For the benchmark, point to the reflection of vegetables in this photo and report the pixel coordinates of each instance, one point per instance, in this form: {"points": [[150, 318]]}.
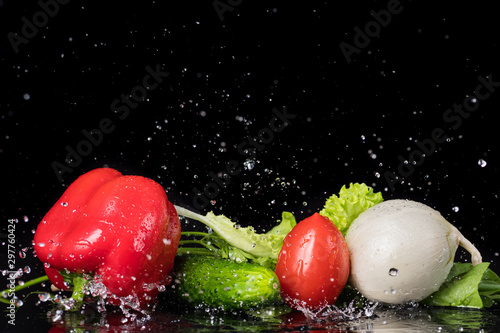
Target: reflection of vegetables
{"points": [[224, 284], [121, 228], [402, 251], [469, 286], [313, 265], [463, 320]]}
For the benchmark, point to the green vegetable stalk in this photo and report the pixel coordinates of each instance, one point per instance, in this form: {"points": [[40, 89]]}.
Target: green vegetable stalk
{"points": [[229, 240]]}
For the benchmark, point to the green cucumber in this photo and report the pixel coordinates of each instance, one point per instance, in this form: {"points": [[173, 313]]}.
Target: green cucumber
{"points": [[205, 281]]}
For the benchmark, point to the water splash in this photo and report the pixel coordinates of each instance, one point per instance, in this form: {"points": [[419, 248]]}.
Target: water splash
{"points": [[101, 304], [334, 313]]}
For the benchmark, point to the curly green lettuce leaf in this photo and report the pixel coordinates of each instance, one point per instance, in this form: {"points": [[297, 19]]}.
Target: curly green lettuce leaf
{"points": [[286, 225], [467, 286], [243, 243], [350, 202]]}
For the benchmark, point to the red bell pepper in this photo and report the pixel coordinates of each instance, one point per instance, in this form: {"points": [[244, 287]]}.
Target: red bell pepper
{"points": [[121, 228]]}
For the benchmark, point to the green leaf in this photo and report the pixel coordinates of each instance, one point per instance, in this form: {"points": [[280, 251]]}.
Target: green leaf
{"points": [[489, 288], [286, 225], [467, 286], [351, 202]]}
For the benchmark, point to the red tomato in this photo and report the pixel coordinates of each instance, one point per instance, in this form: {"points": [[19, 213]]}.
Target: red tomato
{"points": [[313, 265]]}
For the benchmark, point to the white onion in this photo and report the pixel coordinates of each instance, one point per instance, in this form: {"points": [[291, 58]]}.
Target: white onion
{"points": [[402, 251]]}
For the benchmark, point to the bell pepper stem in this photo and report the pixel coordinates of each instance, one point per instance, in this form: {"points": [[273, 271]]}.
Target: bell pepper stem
{"points": [[79, 283]]}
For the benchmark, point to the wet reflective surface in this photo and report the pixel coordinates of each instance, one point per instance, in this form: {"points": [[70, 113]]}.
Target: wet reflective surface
{"points": [[43, 318]]}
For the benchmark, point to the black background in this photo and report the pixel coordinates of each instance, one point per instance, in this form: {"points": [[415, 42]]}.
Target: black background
{"points": [[226, 76]]}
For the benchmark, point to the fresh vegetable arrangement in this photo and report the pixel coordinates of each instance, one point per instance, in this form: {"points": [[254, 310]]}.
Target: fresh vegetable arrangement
{"points": [[114, 238]]}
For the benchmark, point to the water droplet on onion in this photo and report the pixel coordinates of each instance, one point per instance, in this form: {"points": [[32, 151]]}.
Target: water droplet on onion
{"points": [[393, 272]]}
